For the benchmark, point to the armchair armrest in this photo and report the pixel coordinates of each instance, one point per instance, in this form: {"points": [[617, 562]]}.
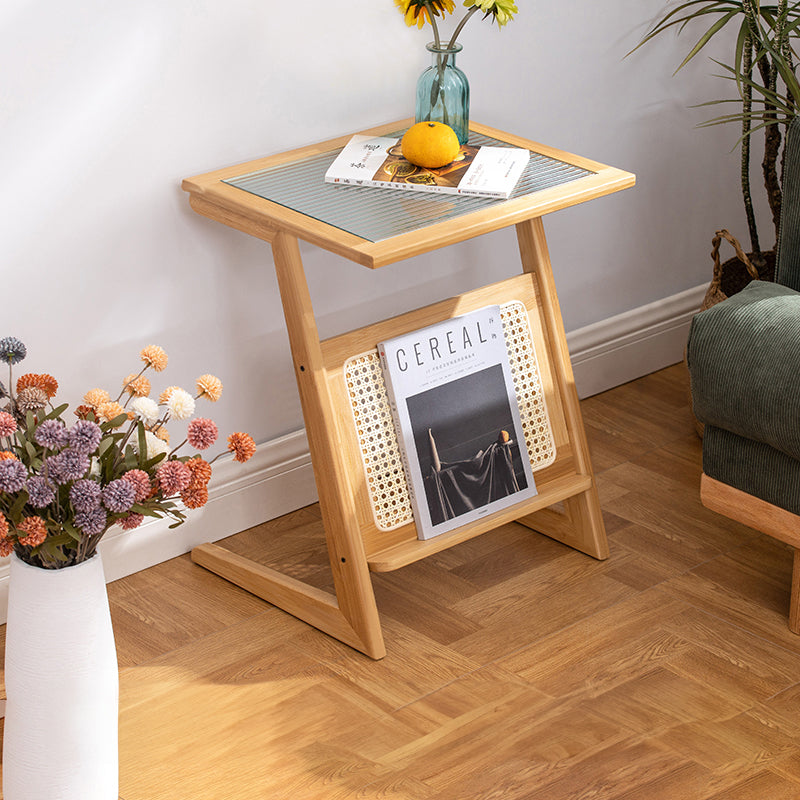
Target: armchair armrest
{"points": [[744, 365]]}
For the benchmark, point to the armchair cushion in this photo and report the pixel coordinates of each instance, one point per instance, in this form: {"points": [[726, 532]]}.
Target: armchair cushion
{"points": [[744, 365], [752, 467]]}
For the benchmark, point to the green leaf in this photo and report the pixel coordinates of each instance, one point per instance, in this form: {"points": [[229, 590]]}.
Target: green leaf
{"points": [[142, 442], [131, 458], [145, 511], [57, 540], [105, 443], [51, 548], [72, 532], [706, 38], [15, 512], [57, 411], [120, 419], [149, 464]]}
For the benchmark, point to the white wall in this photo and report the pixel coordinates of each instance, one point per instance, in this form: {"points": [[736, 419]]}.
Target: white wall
{"points": [[105, 107]]}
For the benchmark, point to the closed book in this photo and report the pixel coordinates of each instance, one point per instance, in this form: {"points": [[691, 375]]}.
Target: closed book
{"points": [[457, 420]]}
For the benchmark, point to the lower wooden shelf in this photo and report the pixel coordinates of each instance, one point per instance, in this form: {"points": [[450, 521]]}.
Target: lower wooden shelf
{"points": [[404, 553]]}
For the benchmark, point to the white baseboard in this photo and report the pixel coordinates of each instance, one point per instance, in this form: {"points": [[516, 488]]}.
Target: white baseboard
{"points": [[622, 348], [279, 479]]}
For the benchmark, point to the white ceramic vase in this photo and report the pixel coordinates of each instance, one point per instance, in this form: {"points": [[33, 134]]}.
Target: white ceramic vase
{"points": [[62, 685]]}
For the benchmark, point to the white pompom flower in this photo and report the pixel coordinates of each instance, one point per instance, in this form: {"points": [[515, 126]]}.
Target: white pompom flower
{"points": [[180, 404], [155, 446], [146, 408]]}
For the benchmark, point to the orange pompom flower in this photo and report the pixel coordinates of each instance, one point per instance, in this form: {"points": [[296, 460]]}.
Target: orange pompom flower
{"points": [[6, 544], [83, 411], [47, 383], [195, 496], [201, 471], [242, 446], [210, 387], [34, 529], [96, 397], [137, 386], [155, 357], [110, 410], [7, 455]]}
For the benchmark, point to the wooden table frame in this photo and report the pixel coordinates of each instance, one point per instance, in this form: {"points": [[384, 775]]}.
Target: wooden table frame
{"points": [[351, 615]]}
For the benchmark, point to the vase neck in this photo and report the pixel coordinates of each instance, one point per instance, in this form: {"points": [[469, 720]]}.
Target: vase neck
{"points": [[443, 53]]}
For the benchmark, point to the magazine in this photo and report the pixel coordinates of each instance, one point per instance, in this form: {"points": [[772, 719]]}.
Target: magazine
{"points": [[378, 161], [452, 395]]}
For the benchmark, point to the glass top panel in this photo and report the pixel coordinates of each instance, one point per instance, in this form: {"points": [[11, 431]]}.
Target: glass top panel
{"points": [[375, 214]]}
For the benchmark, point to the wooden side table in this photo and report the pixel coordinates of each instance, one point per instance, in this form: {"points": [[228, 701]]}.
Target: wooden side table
{"points": [[283, 198]]}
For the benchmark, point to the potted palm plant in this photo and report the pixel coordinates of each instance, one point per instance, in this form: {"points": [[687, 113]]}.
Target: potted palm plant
{"points": [[762, 71]]}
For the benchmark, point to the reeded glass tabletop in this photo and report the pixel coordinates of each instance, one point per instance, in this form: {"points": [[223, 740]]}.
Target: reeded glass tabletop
{"points": [[376, 214]]}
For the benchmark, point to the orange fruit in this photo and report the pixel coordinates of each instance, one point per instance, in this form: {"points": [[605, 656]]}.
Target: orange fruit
{"points": [[430, 144]]}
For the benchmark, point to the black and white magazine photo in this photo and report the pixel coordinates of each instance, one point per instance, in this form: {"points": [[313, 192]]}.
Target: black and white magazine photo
{"points": [[457, 420]]}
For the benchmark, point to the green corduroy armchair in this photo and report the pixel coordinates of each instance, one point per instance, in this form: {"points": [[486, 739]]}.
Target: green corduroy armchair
{"points": [[744, 366]]}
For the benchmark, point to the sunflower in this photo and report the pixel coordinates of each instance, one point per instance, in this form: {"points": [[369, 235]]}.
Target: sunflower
{"points": [[418, 12], [501, 10]]}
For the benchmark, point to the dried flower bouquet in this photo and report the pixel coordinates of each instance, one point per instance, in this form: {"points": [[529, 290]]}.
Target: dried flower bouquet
{"points": [[62, 487]]}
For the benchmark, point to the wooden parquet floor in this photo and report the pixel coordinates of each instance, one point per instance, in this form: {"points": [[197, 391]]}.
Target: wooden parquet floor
{"points": [[516, 667]]}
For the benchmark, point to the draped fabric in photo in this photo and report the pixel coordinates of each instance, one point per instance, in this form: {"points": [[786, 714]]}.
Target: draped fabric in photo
{"points": [[458, 487]]}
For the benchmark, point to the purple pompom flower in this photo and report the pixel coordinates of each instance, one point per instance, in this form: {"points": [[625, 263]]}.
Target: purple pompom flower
{"points": [[119, 496], [51, 434], [68, 465], [12, 350], [84, 436], [85, 495], [40, 491], [92, 522], [13, 475]]}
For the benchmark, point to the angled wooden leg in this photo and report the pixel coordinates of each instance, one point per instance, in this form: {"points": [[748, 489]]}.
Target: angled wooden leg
{"points": [[351, 616], [581, 523]]}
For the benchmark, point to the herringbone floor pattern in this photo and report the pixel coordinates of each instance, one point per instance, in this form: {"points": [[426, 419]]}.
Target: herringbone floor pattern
{"points": [[516, 667]]}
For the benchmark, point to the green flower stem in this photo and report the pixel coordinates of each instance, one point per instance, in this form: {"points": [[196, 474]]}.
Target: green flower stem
{"points": [[119, 396], [441, 63], [435, 27], [12, 402], [460, 27], [175, 449]]}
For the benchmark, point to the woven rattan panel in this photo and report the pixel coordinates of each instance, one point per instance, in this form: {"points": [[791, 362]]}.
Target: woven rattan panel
{"points": [[380, 452]]}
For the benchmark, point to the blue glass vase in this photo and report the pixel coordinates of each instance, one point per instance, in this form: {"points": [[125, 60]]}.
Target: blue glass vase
{"points": [[443, 92]]}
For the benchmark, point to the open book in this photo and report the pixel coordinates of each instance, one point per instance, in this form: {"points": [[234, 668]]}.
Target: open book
{"points": [[485, 171]]}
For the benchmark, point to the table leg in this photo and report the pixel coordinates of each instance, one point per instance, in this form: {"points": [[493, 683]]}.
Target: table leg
{"points": [[580, 525], [351, 615]]}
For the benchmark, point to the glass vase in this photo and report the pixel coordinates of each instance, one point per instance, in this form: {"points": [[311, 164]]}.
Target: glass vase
{"points": [[443, 92]]}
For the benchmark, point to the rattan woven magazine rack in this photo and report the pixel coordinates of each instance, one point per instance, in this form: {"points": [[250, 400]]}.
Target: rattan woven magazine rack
{"points": [[363, 498]]}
